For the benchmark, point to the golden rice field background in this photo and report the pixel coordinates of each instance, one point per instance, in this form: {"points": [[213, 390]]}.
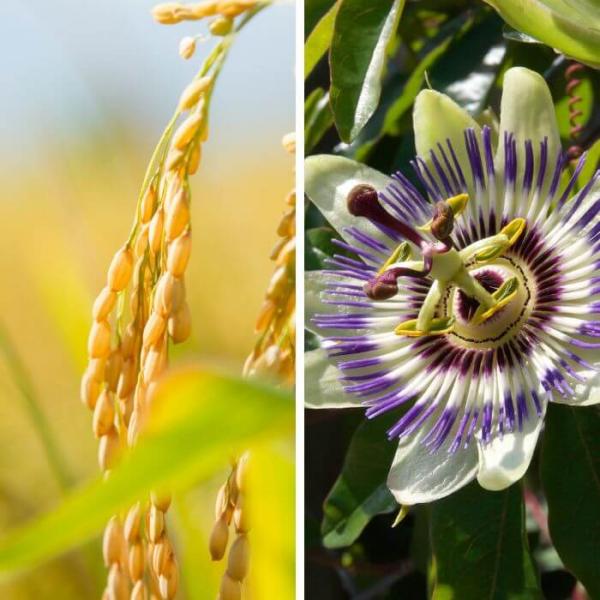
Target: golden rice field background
{"points": [[67, 198]]}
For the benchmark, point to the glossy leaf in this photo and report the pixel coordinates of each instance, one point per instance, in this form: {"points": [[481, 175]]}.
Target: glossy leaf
{"points": [[362, 34], [314, 11], [360, 492], [317, 118], [319, 247], [185, 441], [416, 80], [480, 547], [469, 68], [319, 40], [517, 36], [571, 27], [571, 479]]}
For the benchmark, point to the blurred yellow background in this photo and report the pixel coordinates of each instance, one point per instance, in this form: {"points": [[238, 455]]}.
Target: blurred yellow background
{"points": [[86, 91]]}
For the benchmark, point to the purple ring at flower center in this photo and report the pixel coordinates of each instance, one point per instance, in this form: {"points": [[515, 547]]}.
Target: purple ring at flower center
{"points": [[465, 305]]}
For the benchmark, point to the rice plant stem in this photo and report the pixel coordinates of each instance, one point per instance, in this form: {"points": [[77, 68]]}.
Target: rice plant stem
{"points": [[32, 406]]}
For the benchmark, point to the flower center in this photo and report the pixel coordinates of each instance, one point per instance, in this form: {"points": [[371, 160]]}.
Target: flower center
{"points": [[466, 306], [503, 324]]}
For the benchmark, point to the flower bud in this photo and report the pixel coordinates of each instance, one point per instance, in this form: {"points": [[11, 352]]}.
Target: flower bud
{"points": [[203, 9], [104, 414], [187, 130], [178, 254], [442, 222], [156, 524], [118, 588], [162, 501], [167, 13], [230, 589], [239, 558], [121, 267], [192, 93], [127, 379], [155, 327], [148, 204], [180, 324], [187, 47], [240, 515], [218, 539], [241, 473], [154, 364], [222, 501], [289, 142], [90, 390], [168, 581], [195, 157], [99, 340], [112, 542], [221, 26], [178, 215], [161, 554], [135, 561], [139, 591], [131, 528], [103, 304], [156, 229], [233, 8], [96, 369], [113, 370], [108, 450]]}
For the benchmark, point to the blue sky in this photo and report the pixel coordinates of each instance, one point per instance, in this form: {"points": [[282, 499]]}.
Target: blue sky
{"points": [[66, 64]]}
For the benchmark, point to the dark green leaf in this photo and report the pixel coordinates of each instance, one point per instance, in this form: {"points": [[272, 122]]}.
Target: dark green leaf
{"points": [[449, 34], [362, 33], [571, 479], [360, 492], [314, 11], [317, 118], [318, 247], [469, 69], [518, 36], [319, 40], [480, 547]]}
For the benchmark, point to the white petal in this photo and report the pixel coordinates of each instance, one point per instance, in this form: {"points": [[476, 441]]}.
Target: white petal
{"points": [[418, 476], [586, 394], [315, 284], [436, 118], [322, 387], [527, 111], [328, 181], [505, 460]]}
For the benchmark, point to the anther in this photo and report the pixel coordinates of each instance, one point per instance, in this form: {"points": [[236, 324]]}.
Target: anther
{"points": [[363, 201], [382, 287], [385, 286], [442, 222]]}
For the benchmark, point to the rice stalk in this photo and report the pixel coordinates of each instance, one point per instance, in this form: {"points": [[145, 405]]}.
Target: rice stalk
{"points": [[273, 357], [142, 309]]}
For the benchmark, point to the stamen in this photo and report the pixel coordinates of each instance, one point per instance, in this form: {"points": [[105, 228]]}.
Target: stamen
{"points": [[442, 223], [385, 286], [363, 201]]}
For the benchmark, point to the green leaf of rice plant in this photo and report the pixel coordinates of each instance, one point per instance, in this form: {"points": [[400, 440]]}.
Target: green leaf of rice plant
{"points": [[199, 420]]}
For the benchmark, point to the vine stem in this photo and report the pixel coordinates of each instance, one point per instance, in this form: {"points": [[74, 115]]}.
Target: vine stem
{"points": [[31, 404]]}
